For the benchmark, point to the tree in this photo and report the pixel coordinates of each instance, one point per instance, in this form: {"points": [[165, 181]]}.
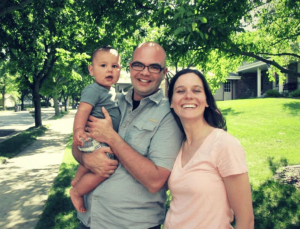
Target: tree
{"points": [[8, 83], [33, 34], [8, 6], [216, 27]]}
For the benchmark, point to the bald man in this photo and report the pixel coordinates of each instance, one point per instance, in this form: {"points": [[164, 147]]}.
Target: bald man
{"points": [[146, 146]]}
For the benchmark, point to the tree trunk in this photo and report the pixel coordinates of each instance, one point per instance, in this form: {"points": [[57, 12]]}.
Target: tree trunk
{"points": [[22, 101], [3, 98], [66, 102], [47, 99], [56, 107], [74, 103], [37, 105]]}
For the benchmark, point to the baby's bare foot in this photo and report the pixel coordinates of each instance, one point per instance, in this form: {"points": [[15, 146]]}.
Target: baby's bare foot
{"points": [[74, 182], [77, 200]]}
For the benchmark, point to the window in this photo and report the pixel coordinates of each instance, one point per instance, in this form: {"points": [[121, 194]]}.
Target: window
{"points": [[227, 87]]}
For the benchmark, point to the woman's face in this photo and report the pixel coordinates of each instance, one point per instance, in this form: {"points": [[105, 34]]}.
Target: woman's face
{"points": [[189, 99]]}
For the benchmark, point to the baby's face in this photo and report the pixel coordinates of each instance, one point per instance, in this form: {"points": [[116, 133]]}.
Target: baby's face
{"points": [[106, 67]]}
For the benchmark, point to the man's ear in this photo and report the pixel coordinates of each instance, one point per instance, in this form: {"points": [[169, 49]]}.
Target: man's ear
{"points": [[165, 71]]}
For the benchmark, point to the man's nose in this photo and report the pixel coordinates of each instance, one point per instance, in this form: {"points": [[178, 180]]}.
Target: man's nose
{"points": [[145, 71]]}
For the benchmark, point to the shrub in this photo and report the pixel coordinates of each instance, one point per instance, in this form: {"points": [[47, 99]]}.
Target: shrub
{"points": [[273, 93], [295, 93]]}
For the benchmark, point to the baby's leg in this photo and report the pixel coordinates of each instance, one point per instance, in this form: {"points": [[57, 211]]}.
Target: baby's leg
{"points": [[85, 185], [81, 171]]}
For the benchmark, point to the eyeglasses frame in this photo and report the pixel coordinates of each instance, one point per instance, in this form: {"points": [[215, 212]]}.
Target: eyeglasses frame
{"points": [[161, 68]]}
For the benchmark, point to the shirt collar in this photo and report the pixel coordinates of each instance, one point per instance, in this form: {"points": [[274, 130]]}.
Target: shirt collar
{"points": [[156, 97]]}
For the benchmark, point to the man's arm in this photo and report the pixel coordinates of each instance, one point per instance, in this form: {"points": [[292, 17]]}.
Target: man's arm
{"points": [[97, 161], [141, 168]]}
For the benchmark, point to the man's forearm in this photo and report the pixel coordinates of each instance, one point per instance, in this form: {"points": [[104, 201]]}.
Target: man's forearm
{"points": [[141, 168]]}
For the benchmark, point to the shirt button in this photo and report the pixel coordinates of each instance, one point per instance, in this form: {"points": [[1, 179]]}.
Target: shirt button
{"points": [[95, 198], [124, 125]]}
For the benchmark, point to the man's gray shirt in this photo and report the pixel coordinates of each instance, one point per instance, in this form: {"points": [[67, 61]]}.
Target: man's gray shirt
{"points": [[121, 201]]}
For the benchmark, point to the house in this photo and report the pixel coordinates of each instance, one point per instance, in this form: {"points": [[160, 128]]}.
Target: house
{"points": [[252, 80], [9, 101]]}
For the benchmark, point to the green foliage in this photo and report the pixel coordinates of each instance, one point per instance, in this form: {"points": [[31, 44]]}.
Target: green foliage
{"points": [[50, 40], [276, 205], [295, 93], [273, 93], [11, 147]]}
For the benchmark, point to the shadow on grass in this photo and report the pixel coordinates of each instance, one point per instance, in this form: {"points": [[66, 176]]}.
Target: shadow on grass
{"points": [[59, 212], [11, 147], [276, 205], [293, 107], [229, 111]]}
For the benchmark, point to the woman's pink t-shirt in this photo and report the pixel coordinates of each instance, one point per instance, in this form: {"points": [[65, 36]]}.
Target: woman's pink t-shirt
{"points": [[199, 198]]}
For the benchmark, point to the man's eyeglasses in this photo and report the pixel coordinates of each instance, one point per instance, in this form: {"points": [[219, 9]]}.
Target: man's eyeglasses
{"points": [[153, 68]]}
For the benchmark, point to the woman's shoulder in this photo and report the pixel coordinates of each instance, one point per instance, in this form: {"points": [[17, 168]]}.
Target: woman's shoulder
{"points": [[223, 138]]}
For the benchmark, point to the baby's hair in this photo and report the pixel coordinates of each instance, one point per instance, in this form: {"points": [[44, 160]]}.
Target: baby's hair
{"points": [[105, 48]]}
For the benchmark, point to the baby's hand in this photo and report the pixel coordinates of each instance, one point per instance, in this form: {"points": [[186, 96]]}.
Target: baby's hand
{"points": [[78, 136]]}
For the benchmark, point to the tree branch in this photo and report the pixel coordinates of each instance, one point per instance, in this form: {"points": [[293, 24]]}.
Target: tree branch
{"points": [[280, 54], [286, 38], [271, 62]]}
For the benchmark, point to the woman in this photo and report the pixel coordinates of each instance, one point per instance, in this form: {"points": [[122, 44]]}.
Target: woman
{"points": [[209, 181]]}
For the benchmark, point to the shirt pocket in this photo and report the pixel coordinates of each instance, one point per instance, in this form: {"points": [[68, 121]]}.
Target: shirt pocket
{"points": [[140, 136]]}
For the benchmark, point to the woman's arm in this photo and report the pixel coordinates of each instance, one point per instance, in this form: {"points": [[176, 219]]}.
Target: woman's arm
{"points": [[240, 199]]}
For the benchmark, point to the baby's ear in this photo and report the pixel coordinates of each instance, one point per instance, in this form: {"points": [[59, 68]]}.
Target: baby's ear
{"points": [[91, 70]]}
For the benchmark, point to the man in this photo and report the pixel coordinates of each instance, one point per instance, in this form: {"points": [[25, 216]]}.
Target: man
{"points": [[146, 147]]}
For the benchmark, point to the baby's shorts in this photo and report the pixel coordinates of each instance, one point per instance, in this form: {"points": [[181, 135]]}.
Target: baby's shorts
{"points": [[92, 145]]}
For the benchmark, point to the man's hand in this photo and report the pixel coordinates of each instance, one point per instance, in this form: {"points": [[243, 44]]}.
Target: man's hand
{"points": [[100, 129], [99, 163]]}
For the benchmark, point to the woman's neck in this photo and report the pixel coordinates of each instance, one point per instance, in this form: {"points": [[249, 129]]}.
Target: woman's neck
{"points": [[196, 131]]}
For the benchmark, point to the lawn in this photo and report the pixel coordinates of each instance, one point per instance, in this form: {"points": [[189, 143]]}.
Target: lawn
{"points": [[268, 129], [11, 147]]}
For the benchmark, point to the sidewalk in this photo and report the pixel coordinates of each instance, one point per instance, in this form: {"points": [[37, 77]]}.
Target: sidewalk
{"points": [[26, 179]]}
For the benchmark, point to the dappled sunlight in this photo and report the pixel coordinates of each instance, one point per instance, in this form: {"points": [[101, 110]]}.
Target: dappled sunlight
{"points": [[27, 178]]}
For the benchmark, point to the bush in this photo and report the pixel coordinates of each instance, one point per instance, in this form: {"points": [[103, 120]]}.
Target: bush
{"points": [[273, 93], [295, 93]]}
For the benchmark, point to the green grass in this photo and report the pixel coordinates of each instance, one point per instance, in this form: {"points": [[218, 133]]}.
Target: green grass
{"points": [[62, 114], [268, 129], [59, 212], [11, 147]]}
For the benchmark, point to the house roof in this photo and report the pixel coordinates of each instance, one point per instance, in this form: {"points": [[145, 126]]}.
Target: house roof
{"points": [[233, 76], [252, 67]]}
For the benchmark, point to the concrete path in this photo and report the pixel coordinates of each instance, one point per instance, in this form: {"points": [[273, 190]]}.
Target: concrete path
{"points": [[27, 178]]}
